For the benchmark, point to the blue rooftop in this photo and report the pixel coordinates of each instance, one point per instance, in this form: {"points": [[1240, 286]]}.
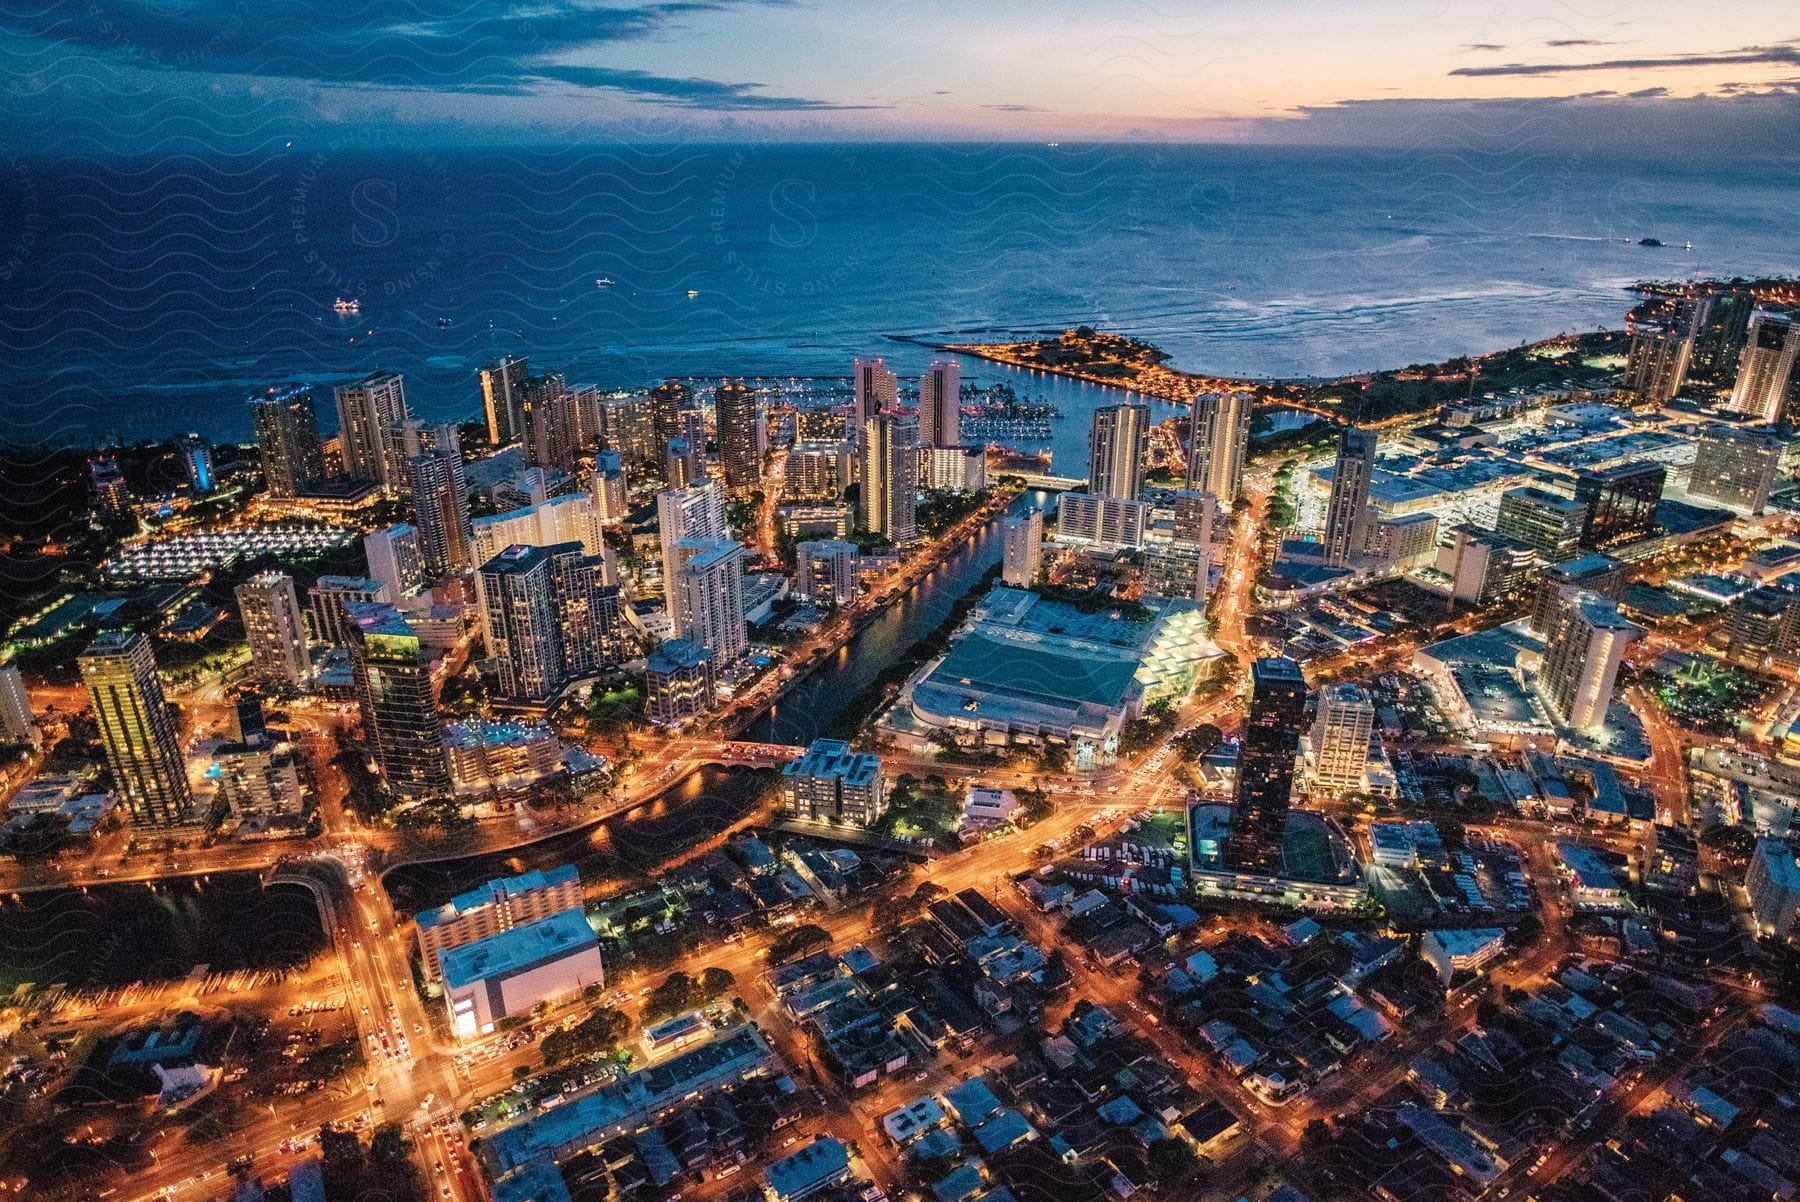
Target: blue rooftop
{"points": [[816, 1164], [498, 955], [494, 890]]}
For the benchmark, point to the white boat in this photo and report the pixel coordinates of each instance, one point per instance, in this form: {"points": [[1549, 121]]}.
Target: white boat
{"points": [[693, 292], [346, 308], [603, 282]]}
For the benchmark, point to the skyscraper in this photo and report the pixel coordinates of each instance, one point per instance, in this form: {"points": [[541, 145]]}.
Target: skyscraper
{"points": [[678, 681], [112, 495], [396, 559], [18, 725], [287, 439], [940, 404], [1548, 524], [548, 426], [876, 389], [1621, 503], [1196, 515], [197, 462], [670, 401], [546, 617], [697, 511], [710, 587], [1559, 582], [1736, 465], [1766, 365], [520, 623], [137, 729], [740, 451], [1341, 734], [1347, 512], [502, 397], [1022, 548], [270, 610], [401, 723], [1265, 767], [890, 469], [440, 507], [610, 487], [825, 570], [1657, 364], [368, 410], [1218, 443], [1119, 441], [1581, 659]]}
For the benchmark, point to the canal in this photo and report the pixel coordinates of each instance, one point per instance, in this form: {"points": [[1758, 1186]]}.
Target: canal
{"points": [[819, 706], [707, 801]]}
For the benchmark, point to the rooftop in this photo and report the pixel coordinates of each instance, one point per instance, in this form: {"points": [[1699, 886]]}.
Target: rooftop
{"points": [[496, 889], [511, 950]]}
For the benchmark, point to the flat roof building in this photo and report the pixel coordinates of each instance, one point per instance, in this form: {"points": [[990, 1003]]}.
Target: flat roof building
{"points": [[510, 972], [496, 906]]}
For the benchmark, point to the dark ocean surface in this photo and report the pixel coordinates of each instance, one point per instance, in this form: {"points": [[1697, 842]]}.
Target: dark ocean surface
{"points": [[145, 298]]}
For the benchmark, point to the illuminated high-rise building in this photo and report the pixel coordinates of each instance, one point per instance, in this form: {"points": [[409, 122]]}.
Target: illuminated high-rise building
{"points": [[396, 559], [1582, 657], [287, 440], [368, 411], [740, 435], [825, 571], [1621, 503], [137, 729], [890, 472], [503, 398], [546, 617], [709, 609], [401, 723], [1118, 443], [1736, 465], [548, 426], [670, 403], [197, 462], [1265, 766], [940, 404], [1218, 444], [1548, 524], [440, 508], [1022, 549], [695, 512], [1340, 735], [18, 725], [1347, 516], [1766, 365], [876, 389], [610, 487], [273, 627]]}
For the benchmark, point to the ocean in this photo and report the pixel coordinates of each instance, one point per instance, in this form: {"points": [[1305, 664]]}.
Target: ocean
{"points": [[145, 298]]}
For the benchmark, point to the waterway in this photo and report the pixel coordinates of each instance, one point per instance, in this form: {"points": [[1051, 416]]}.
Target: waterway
{"points": [[819, 706], [685, 815]]}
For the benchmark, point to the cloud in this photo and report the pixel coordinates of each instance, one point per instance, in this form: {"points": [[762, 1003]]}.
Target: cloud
{"points": [[1016, 108], [1483, 46], [491, 47], [1560, 43], [688, 93], [1786, 55]]}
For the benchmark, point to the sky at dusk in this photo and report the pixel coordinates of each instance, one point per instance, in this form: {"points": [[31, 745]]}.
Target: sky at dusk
{"points": [[104, 75]]}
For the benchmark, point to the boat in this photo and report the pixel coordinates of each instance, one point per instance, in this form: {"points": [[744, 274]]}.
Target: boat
{"points": [[693, 292], [1687, 246], [346, 308], [443, 323], [1649, 241], [603, 282]]}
